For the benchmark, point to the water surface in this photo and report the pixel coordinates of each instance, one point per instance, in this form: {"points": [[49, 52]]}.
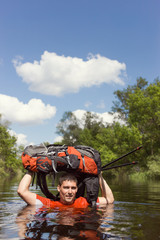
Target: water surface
{"points": [[135, 214]]}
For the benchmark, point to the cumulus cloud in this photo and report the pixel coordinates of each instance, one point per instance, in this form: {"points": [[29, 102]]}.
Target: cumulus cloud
{"points": [[21, 138], [58, 139], [57, 75], [34, 112], [106, 117]]}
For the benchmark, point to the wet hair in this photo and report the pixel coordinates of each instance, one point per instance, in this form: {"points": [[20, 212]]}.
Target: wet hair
{"points": [[67, 176]]}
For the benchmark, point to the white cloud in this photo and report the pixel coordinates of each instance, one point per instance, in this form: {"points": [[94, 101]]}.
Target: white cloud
{"points": [[106, 117], [34, 112], [79, 113], [109, 118], [57, 75], [58, 139], [21, 138]]}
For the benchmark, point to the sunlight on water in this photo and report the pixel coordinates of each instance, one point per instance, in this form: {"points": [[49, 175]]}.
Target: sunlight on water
{"points": [[134, 215]]}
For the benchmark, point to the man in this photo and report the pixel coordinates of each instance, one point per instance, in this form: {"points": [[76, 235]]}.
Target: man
{"points": [[67, 189]]}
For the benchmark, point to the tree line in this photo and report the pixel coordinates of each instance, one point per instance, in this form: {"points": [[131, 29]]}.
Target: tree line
{"points": [[9, 152], [138, 109]]}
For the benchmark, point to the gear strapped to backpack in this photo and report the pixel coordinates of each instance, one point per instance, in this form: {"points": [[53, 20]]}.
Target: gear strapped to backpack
{"points": [[83, 161]]}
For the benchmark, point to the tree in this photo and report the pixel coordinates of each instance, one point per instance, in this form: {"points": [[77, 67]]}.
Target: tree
{"points": [[82, 132], [121, 105], [69, 129], [8, 151], [116, 140], [91, 127], [140, 106]]}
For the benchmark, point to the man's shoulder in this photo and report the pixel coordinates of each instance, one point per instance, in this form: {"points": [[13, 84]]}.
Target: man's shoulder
{"points": [[81, 202], [81, 199], [44, 201]]}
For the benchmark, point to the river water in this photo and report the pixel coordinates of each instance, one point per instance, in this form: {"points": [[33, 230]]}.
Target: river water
{"points": [[135, 214]]}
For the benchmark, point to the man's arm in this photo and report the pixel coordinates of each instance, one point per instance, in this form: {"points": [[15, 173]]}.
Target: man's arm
{"points": [[23, 189], [106, 192]]}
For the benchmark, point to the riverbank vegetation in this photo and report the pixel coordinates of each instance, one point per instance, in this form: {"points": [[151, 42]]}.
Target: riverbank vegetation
{"points": [[9, 161], [138, 109]]}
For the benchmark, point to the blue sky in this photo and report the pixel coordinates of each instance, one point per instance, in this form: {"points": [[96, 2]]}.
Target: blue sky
{"points": [[59, 55]]}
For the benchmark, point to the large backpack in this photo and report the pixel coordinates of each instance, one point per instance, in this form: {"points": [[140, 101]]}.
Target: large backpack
{"points": [[83, 161]]}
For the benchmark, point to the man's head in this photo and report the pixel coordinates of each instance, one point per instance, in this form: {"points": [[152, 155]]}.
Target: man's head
{"points": [[67, 188]]}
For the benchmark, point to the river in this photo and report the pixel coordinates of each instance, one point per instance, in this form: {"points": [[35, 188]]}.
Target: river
{"points": [[135, 214]]}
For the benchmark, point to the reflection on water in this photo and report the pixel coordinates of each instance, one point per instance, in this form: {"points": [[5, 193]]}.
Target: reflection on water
{"points": [[134, 215], [63, 224]]}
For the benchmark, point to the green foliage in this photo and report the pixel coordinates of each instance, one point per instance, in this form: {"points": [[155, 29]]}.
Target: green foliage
{"points": [[153, 165], [2, 167], [121, 105], [69, 128], [139, 107], [139, 176], [111, 141], [9, 161], [74, 132], [117, 140], [107, 155]]}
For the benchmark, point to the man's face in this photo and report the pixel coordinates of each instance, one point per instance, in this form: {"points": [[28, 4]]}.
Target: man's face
{"points": [[67, 191]]}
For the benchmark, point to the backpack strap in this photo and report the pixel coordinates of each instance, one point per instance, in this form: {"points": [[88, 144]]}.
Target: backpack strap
{"points": [[81, 160], [41, 180], [92, 189]]}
